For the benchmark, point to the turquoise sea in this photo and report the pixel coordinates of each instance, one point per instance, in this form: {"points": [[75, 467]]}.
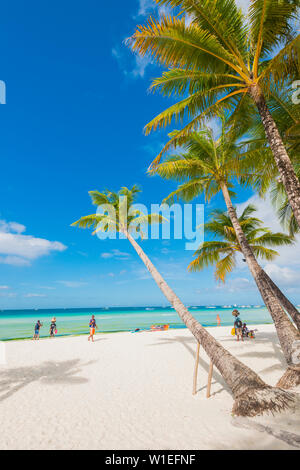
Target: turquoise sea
{"points": [[19, 324]]}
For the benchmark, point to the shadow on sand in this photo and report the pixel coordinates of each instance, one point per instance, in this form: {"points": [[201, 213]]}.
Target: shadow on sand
{"points": [[13, 380], [190, 345]]}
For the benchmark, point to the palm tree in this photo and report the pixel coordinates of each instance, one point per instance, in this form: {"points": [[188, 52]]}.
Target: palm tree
{"points": [[222, 60], [282, 205], [252, 396], [222, 252], [209, 166], [262, 170]]}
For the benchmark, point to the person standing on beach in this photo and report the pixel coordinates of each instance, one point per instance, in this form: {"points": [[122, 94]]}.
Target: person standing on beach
{"points": [[53, 327], [92, 326], [238, 325], [37, 328], [218, 320]]}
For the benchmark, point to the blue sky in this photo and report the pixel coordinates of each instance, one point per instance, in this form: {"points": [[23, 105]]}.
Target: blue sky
{"points": [[77, 103]]}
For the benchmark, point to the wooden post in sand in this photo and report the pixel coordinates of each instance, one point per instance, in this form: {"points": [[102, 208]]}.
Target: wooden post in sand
{"points": [[210, 372], [196, 369]]}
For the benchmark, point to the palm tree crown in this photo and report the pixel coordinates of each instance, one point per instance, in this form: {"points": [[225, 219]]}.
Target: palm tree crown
{"points": [[222, 252], [115, 212], [222, 61], [219, 57], [204, 165]]}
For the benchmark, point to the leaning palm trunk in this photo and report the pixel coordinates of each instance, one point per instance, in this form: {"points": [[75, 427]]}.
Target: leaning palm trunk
{"points": [[288, 336], [286, 304], [282, 160], [252, 395]]}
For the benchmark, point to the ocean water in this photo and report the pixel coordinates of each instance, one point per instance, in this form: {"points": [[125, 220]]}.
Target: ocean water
{"points": [[19, 324]]}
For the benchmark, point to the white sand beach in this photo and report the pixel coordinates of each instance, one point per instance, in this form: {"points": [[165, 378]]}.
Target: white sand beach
{"points": [[134, 391]]}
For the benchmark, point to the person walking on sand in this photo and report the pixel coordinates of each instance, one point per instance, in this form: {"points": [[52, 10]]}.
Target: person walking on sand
{"points": [[53, 327], [238, 325], [92, 326], [37, 328]]}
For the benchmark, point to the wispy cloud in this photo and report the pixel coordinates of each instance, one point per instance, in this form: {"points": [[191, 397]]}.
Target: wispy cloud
{"points": [[115, 254], [149, 7], [283, 275], [243, 4], [4, 287], [132, 65], [34, 295], [19, 250], [72, 284], [286, 267]]}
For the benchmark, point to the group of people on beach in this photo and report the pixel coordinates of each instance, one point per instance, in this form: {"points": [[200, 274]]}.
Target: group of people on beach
{"points": [[240, 329], [38, 326], [53, 328]]}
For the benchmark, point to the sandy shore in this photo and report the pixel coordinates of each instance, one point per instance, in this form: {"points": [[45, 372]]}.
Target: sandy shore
{"points": [[133, 391]]}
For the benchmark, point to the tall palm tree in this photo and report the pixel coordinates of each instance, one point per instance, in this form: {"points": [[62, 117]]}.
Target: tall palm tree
{"points": [[222, 252], [208, 166], [252, 396], [282, 205], [223, 60], [262, 171]]}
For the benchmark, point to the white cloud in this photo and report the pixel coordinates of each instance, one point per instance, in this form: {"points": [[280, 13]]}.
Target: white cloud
{"points": [[136, 70], [4, 287], [148, 7], [18, 249], [289, 255], [236, 285], [141, 63], [14, 261], [283, 275], [46, 287], [34, 295], [145, 7], [115, 254], [72, 284], [243, 4], [285, 270], [8, 294], [11, 227]]}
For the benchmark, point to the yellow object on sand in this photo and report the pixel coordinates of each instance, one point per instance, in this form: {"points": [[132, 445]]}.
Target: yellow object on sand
{"points": [[233, 331]]}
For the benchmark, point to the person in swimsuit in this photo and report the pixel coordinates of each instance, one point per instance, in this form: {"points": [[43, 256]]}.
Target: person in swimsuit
{"points": [[53, 327], [37, 328], [92, 326]]}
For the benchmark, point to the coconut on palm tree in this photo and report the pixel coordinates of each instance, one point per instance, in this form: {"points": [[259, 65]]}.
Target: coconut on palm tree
{"points": [[223, 252], [252, 396], [222, 60], [209, 166]]}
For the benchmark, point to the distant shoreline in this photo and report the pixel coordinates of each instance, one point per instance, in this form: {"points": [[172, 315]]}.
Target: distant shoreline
{"points": [[112, 308], [71, 335]]}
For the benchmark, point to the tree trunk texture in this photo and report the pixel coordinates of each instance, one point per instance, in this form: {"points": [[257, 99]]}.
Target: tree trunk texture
{"points": [[286, 304], [252, 395], [282, 160], [288, 336]]}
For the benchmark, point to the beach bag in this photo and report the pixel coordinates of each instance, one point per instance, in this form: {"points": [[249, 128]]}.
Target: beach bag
{"points": [[233, 331]]}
